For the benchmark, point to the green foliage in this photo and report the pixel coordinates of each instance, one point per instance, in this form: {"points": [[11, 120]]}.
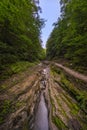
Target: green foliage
{"points": [[20, 29], [3, 88], [82, 99], [79, 95], [69, 37], [20, 66], [58, 122], [14, 69], [4, 110], [19, 104], [55, 70], [42, 56]]}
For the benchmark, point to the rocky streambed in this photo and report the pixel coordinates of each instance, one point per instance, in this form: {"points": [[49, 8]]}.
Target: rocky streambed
{"points": [[47, 99]]}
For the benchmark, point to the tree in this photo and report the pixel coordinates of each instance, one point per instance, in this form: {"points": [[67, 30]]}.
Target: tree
{"points": [[20, 28], [69, 41]]}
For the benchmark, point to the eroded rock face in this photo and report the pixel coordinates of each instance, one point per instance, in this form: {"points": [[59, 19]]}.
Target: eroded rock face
{"points": [[66, 112], [22, 100], [43, 101]]}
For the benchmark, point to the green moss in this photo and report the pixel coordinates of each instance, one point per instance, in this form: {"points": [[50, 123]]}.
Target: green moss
{"points": [[59, 123], [55, 70], [5, 108], [82, 99], [1, 120], [16, 68], [74, 108], [74, 112], [83, 123], [19, 104], [20, 66], [52, 102], [62, 109], [79, 95], [53, 106], [3, 88]]}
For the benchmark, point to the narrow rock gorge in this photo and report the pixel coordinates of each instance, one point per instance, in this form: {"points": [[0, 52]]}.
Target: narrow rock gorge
{"points": [[46, 97]]}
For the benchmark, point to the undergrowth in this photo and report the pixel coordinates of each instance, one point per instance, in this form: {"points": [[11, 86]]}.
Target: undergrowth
{"points": [[15, 68], [79, 95], [59, 123], [5, 108]]}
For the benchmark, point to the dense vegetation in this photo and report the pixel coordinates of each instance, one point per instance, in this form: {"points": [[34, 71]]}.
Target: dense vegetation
{"points": [[20, 28], [68, 39]]}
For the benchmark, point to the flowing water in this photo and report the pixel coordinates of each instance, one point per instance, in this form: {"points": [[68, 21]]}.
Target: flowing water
{"points": [[41, 118]]}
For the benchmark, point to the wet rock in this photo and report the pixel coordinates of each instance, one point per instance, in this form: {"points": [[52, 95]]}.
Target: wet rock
{"points": [[74, 124]]}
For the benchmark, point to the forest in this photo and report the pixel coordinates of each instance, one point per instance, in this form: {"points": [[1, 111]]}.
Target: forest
{"points": [[20, 29], [20, 35], [43, 89], [68, 40]]}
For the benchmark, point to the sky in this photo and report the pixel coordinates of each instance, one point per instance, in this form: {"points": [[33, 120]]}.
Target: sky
{"points": [[50, 12]]}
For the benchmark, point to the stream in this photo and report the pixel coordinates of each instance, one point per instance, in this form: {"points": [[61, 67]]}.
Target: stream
{"points": [[49, 97], [41, 118]]}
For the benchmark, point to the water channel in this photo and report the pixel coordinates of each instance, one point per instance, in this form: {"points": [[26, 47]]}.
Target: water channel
{"points": [[41, 118]]}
